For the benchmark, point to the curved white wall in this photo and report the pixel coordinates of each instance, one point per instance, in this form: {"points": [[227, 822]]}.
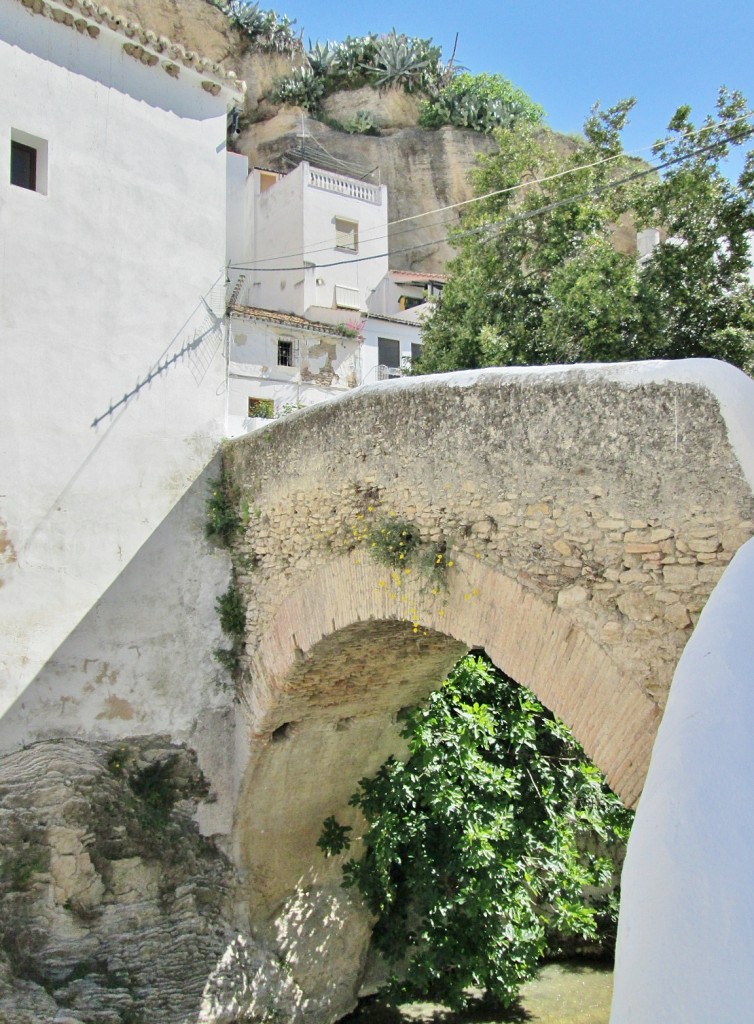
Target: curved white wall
{"points": [[686, 932]]}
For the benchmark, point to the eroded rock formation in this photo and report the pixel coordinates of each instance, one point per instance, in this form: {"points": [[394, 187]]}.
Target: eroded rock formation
{"points": [[112, 907]]}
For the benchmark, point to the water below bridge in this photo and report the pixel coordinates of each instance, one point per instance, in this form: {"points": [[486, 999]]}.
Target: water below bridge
{"points": [[574, 992]]}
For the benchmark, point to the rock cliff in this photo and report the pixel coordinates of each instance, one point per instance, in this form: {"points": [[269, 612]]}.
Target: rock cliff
{"points": [[423, 170]]}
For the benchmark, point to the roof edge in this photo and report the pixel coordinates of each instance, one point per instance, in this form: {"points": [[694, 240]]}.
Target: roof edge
{"points": [[142, 44]]}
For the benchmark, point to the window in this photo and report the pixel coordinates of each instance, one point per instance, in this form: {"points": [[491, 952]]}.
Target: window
{"points": [[23, 166], [409, 301], [416, 351], [261, 408], [28, 161], [388, 358], [346, 234], [286, 355]]}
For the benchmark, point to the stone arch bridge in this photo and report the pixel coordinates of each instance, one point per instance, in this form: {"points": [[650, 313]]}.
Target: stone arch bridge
{"points": [[587, 512]]}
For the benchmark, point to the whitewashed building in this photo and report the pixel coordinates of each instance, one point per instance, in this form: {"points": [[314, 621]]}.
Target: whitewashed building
{"points": [[314, 310], [112, 391]]}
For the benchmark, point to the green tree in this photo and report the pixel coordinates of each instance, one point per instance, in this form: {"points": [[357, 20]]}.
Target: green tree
{"points": [[538, 278], [474, 847]]}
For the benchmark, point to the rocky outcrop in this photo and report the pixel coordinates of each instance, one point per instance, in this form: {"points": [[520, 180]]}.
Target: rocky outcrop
{"points": [[113, 908], [423, 170]]}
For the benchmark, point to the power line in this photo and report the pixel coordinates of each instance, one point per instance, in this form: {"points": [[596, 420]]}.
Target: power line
{"points": [[326, 246], [498, 225]]}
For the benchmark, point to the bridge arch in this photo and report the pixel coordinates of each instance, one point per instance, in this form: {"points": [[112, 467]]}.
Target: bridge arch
{"points": [[588, 512]]}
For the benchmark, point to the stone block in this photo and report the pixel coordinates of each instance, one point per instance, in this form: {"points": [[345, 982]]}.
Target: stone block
{"points": [[572, 597], [638, 606], [678, 616]]}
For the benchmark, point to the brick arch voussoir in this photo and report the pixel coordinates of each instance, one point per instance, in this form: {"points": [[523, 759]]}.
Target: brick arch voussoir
{"points": [[535, 642]]}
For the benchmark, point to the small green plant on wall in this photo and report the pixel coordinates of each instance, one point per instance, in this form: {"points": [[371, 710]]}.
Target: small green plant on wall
{"points": [[223, 518], [397, 543], [393, 542], [232, 614]]}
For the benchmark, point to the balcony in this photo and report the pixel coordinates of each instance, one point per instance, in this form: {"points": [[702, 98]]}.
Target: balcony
{"points": [[329, 182]]}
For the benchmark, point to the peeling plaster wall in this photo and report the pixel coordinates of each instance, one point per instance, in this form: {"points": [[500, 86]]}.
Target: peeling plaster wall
{"points": [[111, 398]]}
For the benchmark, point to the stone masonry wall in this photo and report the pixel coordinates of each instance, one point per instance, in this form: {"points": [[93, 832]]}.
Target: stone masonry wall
{"points": [[583, 516], [620, 505]]}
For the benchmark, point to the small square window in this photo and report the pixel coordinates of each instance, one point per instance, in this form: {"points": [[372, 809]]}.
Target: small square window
{"points": [[389, 353], [23, 166], [285, 352], [346, 234], [28, 161], [261, 408]]}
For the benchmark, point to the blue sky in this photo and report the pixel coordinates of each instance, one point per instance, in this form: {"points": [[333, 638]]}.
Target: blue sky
{"points": [[568, 53]]}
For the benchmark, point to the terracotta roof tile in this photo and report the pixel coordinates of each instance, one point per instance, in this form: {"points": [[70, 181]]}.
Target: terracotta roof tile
{"points": [[404, 276], [140, 43], [284, 319]]}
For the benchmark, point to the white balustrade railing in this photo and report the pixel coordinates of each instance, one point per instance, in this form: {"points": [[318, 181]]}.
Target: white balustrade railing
{"points": [[345, 186]]}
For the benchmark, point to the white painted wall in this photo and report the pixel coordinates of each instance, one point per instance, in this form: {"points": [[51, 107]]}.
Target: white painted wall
{"points": [[238, 212], [253, 371], [141, 661], [686, 931], [294, 222], [111, 390]]}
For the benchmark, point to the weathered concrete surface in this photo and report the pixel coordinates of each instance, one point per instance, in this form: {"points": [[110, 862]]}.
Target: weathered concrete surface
{"points": [[686, 930], [588, 513]]}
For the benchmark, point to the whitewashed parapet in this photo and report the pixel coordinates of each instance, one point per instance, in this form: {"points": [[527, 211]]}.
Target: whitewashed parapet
{"points": [[345, 186]]}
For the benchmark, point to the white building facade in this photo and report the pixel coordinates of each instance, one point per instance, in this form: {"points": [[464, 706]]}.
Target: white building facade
{"points": [[113, 221], [314, 310]]}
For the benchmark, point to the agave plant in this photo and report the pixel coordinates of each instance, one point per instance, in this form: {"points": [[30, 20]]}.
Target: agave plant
{"points": [[266, 30], [323, 58], [403, 61]]}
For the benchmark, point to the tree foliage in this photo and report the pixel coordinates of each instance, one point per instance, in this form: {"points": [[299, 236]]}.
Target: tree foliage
{"points": [[475, 852], [538, 278]]}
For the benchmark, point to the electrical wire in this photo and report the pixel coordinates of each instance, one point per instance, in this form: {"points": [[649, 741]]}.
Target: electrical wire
{"points": [[326, 246], [498, 225]]}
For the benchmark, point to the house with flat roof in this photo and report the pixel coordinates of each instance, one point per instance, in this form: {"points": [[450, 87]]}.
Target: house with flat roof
{"points": [[314, 308]]}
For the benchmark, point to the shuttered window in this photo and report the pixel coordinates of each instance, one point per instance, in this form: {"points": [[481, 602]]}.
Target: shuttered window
{"points": [[346, 234]]}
